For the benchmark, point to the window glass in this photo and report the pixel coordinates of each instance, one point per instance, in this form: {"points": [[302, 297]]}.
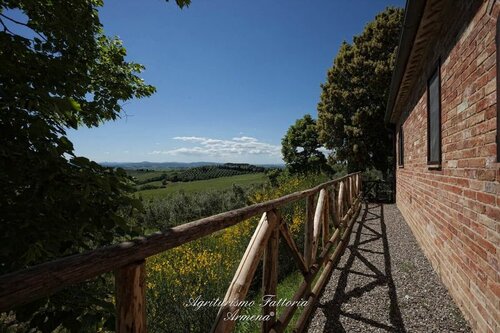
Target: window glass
{"points": [[434, 119], [401, 147]]}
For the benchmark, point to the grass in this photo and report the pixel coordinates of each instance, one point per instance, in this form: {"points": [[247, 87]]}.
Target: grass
{"points": [[204, 185], [285, 290], [145, 175], [155, 183]]}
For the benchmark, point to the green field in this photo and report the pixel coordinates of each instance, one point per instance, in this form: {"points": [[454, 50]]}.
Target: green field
{"points": [[204, 185], [145, 175], [149, 177]]}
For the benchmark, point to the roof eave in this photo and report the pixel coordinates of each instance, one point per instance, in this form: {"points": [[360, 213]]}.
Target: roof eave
{"points": [[414, 11]]}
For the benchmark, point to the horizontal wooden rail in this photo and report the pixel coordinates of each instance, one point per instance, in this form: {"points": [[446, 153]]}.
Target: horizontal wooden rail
{"points": [[27, 285]]}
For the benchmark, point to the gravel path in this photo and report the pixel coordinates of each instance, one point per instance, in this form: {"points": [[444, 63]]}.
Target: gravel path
{"points": [[384, 283]]}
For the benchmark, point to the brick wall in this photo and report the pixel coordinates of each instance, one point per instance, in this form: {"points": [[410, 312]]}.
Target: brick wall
{"points": [[454, 212]]}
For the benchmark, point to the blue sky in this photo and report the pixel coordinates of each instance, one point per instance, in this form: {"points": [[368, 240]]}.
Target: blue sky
{"points": [[231, 76]]}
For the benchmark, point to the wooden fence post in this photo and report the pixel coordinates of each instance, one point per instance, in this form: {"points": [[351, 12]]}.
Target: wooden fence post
{"points": [[358, 184], [326, 220], [318, 221], [270, 278], [350, 191], [340, 204], [309, 229], [130, 285], [332, 206], [334, 212], [240, 284]]}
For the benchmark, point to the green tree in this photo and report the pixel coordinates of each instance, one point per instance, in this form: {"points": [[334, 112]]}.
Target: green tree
{"points": [[59, 71], [300, 147], [353, 99]]}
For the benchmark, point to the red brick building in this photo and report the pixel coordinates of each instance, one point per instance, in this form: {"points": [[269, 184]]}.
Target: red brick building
{"points": [[443, 106]]}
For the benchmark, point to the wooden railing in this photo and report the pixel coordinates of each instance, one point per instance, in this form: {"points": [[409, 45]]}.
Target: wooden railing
{"points": [[329, 221]]}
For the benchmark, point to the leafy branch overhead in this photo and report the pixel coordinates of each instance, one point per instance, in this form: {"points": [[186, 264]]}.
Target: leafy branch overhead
{"points": [[58, 71], [182, 3]]}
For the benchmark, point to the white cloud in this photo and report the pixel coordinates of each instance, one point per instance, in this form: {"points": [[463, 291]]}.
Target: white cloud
{"points": [[245, 139], [189, 138], [237, 146]]}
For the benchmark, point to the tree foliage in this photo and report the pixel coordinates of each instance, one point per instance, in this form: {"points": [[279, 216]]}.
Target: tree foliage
{"points": [[65, 74], [59, 71], [300, 147], [353, 99]]}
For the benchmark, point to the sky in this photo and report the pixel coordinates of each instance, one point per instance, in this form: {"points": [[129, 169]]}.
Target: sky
{"points": [[231, 76]]}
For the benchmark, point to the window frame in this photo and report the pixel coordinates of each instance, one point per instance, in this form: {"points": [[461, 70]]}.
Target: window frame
{"points": [[401, 147], [436, 73]]}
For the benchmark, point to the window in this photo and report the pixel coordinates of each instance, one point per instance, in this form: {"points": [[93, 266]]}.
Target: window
{"points": [[434, 118], [401, 147]]}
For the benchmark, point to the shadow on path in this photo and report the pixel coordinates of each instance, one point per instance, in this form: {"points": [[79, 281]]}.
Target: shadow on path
{"points": [[384, 283], [368, 242]]}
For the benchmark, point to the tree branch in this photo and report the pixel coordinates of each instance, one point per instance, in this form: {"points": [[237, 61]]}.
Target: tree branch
{"points": [[20, 23], [5, 28], [15, 21]]}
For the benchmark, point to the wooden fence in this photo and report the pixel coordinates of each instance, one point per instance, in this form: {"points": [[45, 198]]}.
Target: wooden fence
{"points": [[332, 208]]}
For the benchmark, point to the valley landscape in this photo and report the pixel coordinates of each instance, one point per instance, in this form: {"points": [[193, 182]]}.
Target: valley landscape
{"points": [[164, 180], [61, 201]]}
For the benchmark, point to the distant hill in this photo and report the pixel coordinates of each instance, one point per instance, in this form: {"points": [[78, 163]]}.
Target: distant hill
{"points": [[156, 165], [171, 165]]}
